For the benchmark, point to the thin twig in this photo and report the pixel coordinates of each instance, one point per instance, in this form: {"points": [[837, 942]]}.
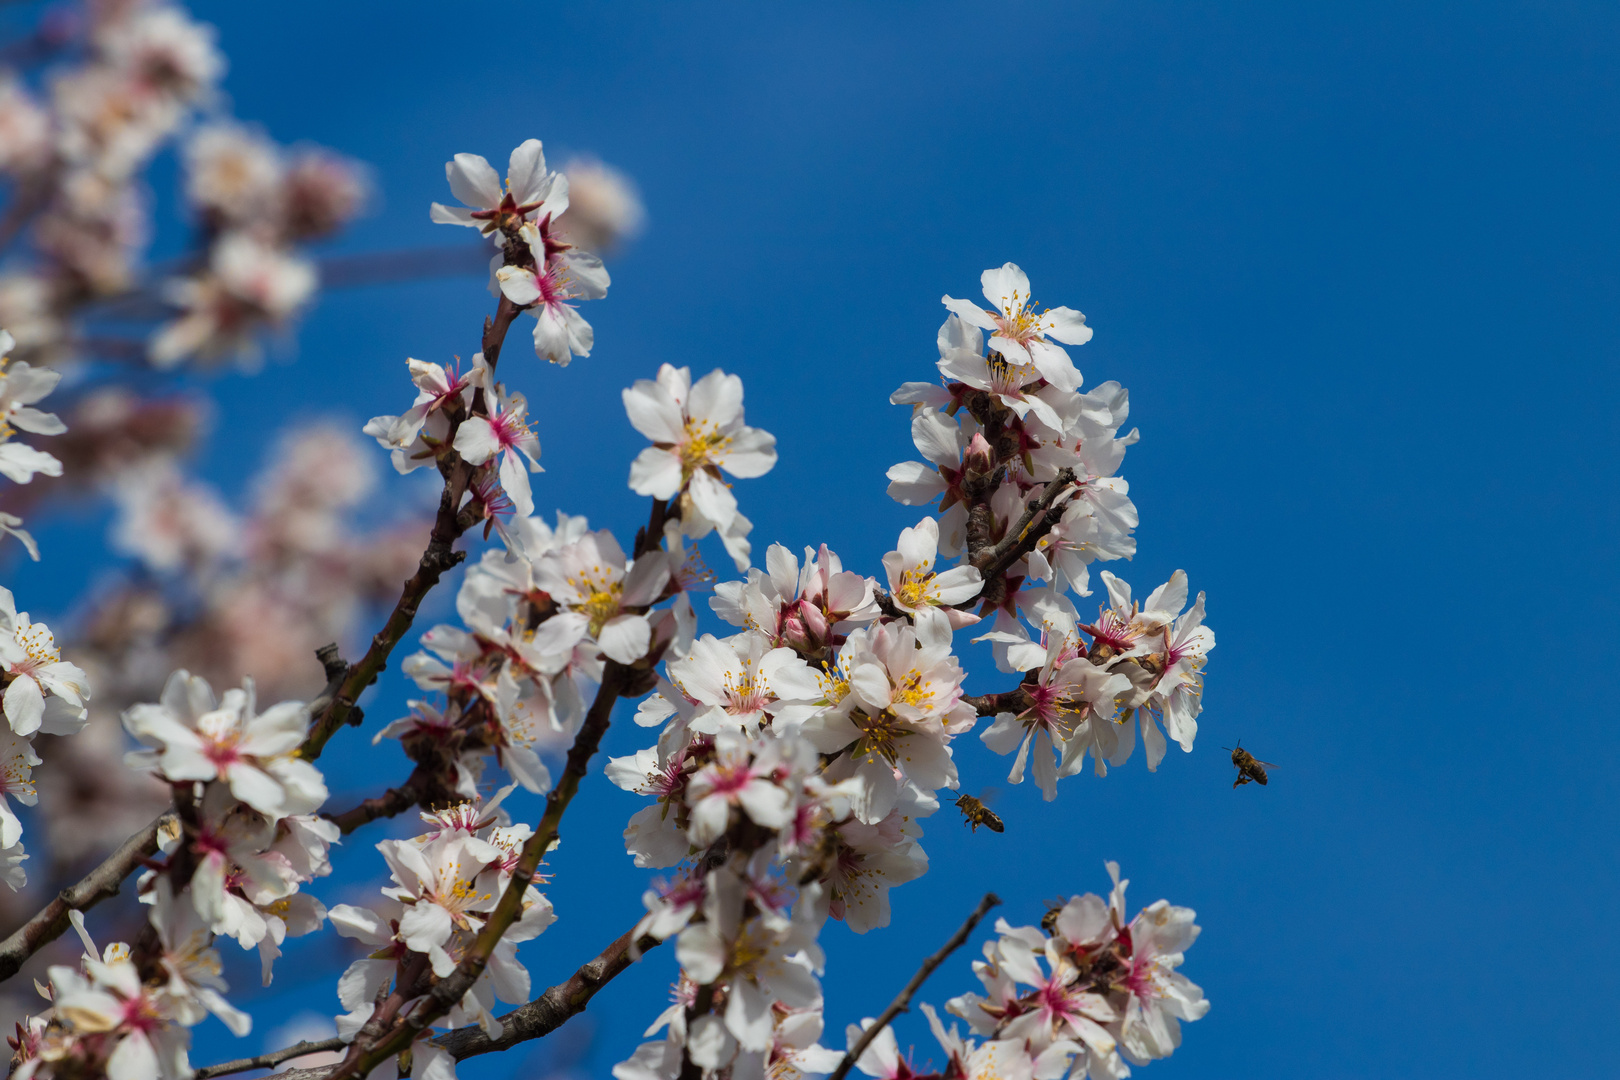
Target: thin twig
{"points": [[436, 559], [98, 885], [446, 993], [391, 803], [273, 1058], [900, 1003]]}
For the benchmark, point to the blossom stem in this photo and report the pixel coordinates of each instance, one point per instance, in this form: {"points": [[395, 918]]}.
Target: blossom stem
{"points": [[903, 1000]]}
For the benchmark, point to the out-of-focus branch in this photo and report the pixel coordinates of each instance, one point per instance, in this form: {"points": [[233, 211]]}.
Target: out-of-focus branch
{"points": [[616, 679], [903, 1000], [98, 885], [416, 264]]}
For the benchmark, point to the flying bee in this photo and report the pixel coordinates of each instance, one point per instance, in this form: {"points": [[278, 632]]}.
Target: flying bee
{"points": [[1249, 767], [976, 813]]}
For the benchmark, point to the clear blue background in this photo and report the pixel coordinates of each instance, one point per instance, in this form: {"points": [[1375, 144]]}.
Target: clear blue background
{"points": [[1356, 265]]}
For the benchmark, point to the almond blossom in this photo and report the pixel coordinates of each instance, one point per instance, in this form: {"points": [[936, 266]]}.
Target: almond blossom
{"points": [[491, 208], [697, 431], [195, 737], [544, 290], [593, 583], [1020, 333], [913, 585], [43, 692], [504, 432]]}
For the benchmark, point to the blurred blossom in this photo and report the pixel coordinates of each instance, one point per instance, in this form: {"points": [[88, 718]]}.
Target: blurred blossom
{"points": [[168, 522], [233, 174], [248, 286], [604, 207], [25, 129], [321, 192]]}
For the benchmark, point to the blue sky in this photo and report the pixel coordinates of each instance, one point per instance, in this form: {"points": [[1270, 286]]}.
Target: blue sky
{"points": [[1355, 264]]}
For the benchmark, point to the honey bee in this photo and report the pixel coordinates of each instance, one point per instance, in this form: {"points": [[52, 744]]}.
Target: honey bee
{"points": [[1249, 767], [976, 813]]}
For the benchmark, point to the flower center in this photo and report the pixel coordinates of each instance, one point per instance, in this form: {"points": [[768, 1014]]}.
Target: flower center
{"points": [[703, 443], [38, 643], [913, 590], [1019, 321]]}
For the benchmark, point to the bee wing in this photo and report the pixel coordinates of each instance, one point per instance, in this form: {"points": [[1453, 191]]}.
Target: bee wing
{"points": [[989, 795], [1267, 764]]}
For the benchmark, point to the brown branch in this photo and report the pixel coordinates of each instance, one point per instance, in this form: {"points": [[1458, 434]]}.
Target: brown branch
{"points": [[391, 803], [436, 559], [1014, 700], [552, 1009], [416, 264], [539, 1018], [903, 1000], [274, 1057], [446, 993], [99, 884], [1026, 532]]}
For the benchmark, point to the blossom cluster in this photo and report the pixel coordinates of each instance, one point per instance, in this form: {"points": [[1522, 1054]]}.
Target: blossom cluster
{"points": [[243, 841], [798, 755], [793, 755], [1081, 994], [446, 882]]}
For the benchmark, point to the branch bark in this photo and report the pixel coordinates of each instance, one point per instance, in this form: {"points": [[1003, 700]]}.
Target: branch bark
{"points": [[903, 1000], [273, 1058], [99, 884], [391, 803], [1026, 532]]}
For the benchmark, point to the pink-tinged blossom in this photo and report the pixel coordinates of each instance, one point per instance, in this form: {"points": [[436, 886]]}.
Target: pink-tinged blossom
{"points": [[436, 388], [742, 682], [545, 290], [591, 583], [742, 775], [1019, 332], [504, 433], [697, 431], [196, 738], [1069, 691], [530, 192], [1006, 379]]}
